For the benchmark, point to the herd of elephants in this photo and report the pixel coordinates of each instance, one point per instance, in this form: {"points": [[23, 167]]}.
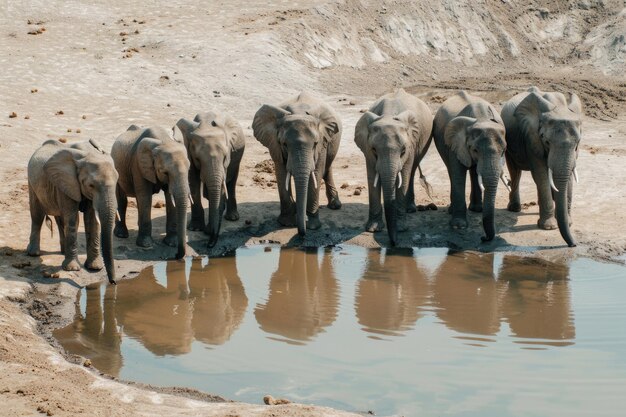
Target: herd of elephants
{"points": [[536, 131]]}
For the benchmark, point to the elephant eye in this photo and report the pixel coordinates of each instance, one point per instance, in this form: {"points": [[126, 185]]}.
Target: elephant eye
{"points": [[403, 151]]}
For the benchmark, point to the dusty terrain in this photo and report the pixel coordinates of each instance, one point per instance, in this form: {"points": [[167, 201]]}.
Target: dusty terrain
{"points": [[87, 69]]}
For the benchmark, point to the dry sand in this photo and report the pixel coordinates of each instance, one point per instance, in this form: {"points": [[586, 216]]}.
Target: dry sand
{"points": [[95, 67]]}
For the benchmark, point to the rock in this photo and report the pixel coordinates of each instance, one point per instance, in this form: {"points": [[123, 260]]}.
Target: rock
{"points": [[62, 140], [352, 102], [12, 115], [27, 117], [59, 113], [267, 249], [357, 191], [33, 90], [344, 185], [269, 400], [87, 363], [159, 204], [77, 130]]}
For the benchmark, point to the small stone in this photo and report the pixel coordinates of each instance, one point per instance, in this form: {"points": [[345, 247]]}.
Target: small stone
{"points": [[12, 115], [69, 130], [33, 90], [27, 117], [269, 400], [344, 185], [62, 140], [59, 113], [159, 204], [84, 117], [87, 363], [352, 102], [77, 130], [357, 191], [267, 249]]}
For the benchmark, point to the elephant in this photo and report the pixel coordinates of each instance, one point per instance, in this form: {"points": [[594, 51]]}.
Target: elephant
{"points": [[149, 160], [302, 135], [470, 135], [215, 146], [394, 135], [63, 180], [543, 133]]}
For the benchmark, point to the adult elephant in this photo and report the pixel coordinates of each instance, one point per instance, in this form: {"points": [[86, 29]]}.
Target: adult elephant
{"points": [[63, 180], [470, 135], [543, 132], [394, 136], [148, 161], [215, 146], [302, 135]]}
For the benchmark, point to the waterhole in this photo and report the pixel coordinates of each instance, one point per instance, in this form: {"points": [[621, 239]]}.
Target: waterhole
{"points": [[418, 332]]}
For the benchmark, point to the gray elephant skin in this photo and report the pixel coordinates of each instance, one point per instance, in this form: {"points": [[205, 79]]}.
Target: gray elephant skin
{"points": [[63, 180], [215, 145], [394, 135], [148, 161], [302, 135], [470, 135], [543, 133]]}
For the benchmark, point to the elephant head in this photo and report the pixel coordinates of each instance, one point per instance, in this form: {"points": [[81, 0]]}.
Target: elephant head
{"points": [[553, 127], [209, 146], [165, 164], [297, 141], [89, 175], [480, 143], [388, 143]]}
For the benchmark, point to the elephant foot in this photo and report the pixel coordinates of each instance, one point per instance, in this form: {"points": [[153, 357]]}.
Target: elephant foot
{"points": [[95, 264], [196, 225], [232, 216], [334, 203], [476, 207], [547, 224], [171, 240], [514, 206], [32, 250], [288, 220], [71, 265], [374, 225], [145, 241], [313, 221], [458, 223], [120, 230], [411, 207]]}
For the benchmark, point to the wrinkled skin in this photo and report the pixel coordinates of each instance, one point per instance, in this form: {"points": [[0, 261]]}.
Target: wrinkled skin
{"points": [[302, 135], [149, 160], [469, 135], [543, 133], [63, 180], [394, 136], [215, 146]]}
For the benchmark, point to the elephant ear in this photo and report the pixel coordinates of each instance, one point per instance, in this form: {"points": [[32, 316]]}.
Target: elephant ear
{"points": [[329, 125], [574, 104], [361, 130], [455, 137], [63, 173], [410, 119], [528, 115], [234, 132], [265, 124], [185, 127], [145, 158]]}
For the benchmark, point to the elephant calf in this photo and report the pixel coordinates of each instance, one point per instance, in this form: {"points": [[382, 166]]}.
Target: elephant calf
{"points": [[394, 136], [302, 135], [63, 180], [469, 135], [148, 161], [215, 146], [543, 131]]}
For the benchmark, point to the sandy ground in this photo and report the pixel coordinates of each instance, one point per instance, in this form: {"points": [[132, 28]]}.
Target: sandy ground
{"points": [[100, 66]]}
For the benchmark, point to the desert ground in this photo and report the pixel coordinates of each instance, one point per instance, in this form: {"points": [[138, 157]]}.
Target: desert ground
{"points": [[85, 69]]}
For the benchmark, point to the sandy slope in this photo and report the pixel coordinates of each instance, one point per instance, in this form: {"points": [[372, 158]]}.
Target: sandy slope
{"points": [[108, 64]]}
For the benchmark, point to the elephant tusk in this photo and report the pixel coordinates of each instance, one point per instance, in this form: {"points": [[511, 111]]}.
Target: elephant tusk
{"points": [[287, 181], [117, 216], [552, 180], [399, 180], [376, 179], [225, 189], [505, 181], [173, 202], [314, 179], [480, 183], [95, 212], [576, 175], [190, 199]]}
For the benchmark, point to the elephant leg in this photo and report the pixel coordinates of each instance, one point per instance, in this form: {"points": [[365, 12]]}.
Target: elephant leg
{"points": [[287, 215], [375, 218], [411, 207], [71, 221], [476, 194], [122, 203], [458, 176], [37, 216], [546, 220], [171, 238], [331, 190], [231, 185], [61, 227], [94, 261], [515, 202], [144, 208], [197, 211]]}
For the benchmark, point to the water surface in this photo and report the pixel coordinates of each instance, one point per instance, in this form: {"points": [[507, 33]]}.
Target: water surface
{"points": [[418, 332]]}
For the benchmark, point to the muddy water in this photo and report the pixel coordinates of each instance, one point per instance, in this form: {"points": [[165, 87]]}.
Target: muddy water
{"points": [[419, 332]]}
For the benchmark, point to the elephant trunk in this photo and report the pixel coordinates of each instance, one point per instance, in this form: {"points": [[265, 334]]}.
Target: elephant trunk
{"points": [[388, 177], [214, 184], [106, 208], [561, 174], [490, 182], [180, 194], [301, 181]]}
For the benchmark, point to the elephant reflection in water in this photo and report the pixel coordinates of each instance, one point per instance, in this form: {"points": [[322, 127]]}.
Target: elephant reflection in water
{"points": [[535, 299], [532, 296], [95, 336], [303, 297], [391, 292], [167, 319]]}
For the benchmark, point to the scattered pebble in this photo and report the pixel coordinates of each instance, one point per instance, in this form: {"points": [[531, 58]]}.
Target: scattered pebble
{"points": [[69, 130], [344, 185], [352, 102], [33, 90], [62, 140], [357, 191], [269, 400], [77, 130], [159, 204], [267, 249], [132, 203], [27, 117], [84, 117], [48, 274], [12, 115], [87, 363], [59, 113]]}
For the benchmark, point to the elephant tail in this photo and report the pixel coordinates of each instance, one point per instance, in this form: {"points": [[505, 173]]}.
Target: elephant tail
{"points": [[425, 184], [49, 225]]}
